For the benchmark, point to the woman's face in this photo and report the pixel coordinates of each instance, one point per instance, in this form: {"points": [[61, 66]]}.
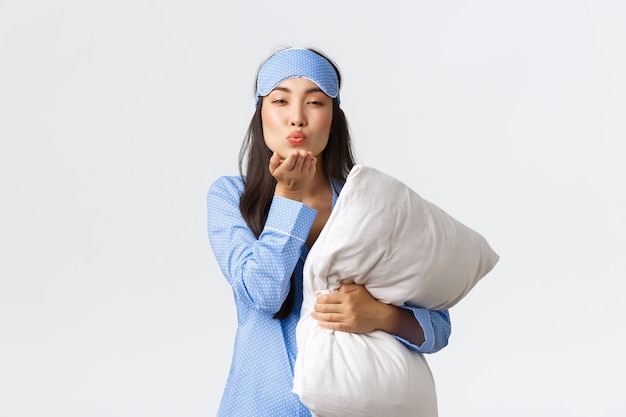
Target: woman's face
{"points": [[296, 115]]}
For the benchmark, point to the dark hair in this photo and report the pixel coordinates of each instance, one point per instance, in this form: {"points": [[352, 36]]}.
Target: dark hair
{"points": [[259, 184]]}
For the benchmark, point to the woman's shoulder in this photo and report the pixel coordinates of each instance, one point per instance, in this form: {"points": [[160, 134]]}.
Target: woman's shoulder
{"points": [[229, 181], [227, 185], [336, 185]]}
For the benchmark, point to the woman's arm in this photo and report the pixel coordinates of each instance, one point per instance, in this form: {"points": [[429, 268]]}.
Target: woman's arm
{"points": [[354, 310], [435, 326], [259, 270]]}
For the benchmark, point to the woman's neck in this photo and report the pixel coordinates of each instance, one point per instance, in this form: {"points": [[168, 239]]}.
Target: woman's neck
{"points": [[319, 185], [318, 195]]}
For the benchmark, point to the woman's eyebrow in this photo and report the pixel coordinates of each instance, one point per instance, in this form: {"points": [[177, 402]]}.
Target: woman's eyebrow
{"points": [[309, 91], [285, 89]]}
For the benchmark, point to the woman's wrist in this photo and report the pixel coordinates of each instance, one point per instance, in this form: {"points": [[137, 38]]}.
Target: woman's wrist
{"points": [[297, 195], [401, 322]]}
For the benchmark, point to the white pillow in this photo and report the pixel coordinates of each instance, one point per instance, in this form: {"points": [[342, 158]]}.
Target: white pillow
{"points": [[405, 250]]}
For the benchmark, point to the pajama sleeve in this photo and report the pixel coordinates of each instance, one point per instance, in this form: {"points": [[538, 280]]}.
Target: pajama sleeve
{"points": [[436, 326], [259, 270]]}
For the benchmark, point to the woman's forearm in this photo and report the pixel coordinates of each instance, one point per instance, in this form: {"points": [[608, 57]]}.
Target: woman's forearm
{"points": [[401, 322]]}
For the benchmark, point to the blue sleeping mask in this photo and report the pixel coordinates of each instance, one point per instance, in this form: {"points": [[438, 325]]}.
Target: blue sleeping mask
{"points": [[297, 63]]}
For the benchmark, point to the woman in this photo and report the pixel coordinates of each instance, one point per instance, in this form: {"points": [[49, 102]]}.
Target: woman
{"points": [[297, 155]]}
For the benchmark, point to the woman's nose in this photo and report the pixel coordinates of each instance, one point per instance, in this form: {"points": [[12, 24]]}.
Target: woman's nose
{"points": [[297, 117]]}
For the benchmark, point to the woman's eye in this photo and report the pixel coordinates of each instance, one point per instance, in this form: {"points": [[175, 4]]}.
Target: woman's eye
{"points": [[279, 101]]}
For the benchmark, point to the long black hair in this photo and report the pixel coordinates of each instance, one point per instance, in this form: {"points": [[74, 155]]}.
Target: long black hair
{"points": [[259, 184]]}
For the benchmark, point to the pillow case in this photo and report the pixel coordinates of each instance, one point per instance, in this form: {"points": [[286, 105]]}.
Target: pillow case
{"points": [[405, 250]]}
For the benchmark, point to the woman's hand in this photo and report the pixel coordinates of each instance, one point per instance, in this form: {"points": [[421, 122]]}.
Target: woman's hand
{"points": [[353, 309], [293, 173]]}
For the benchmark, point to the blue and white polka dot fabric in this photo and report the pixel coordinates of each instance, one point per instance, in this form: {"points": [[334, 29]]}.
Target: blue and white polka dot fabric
{"points": [[297, 63], [259, 271]]}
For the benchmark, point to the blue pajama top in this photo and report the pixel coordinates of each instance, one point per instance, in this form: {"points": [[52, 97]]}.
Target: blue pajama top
{"points": [[259, 271]]}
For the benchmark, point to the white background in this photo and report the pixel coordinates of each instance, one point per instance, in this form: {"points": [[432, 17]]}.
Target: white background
{"points": [[115, 117]]}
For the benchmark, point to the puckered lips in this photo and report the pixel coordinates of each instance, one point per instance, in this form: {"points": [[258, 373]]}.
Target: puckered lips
{"points": [[296, 137]]}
